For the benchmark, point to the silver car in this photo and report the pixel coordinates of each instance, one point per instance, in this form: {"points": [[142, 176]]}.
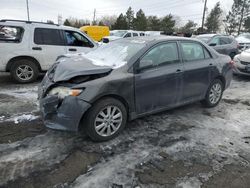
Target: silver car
{"points": [[242, 63], [244, 41], [224, 44]]}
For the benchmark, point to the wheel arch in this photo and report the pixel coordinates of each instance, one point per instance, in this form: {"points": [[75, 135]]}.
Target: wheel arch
{"points": [[14, 59], [115, 96], [222, 79]]}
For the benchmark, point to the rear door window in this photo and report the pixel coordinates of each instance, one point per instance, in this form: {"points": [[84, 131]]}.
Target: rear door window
{"points": [[224, 41], [128, 35], [76, 39], [193, 51], [135, 34], [44, 36], [11, 34]]}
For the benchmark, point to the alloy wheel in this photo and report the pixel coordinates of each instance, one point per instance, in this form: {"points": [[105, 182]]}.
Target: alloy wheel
{"points": [[108, 121], [24, 72], [215, 93]]}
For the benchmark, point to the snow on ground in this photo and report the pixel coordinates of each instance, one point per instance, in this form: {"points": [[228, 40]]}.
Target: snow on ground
{"points": [[189, 136]]}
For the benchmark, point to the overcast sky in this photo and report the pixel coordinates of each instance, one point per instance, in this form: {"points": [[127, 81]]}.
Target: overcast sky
{"points": [[43, 10]]}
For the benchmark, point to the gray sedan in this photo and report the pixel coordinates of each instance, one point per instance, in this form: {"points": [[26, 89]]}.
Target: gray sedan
{"points": [[130, 78]]}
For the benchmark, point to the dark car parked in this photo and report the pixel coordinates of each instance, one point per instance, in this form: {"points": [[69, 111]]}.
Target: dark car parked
{"points": [[130, 78], [223, 44]]}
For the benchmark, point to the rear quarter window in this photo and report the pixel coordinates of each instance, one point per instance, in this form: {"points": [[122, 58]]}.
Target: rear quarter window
{"points": [[44, 36], [11, 34]]}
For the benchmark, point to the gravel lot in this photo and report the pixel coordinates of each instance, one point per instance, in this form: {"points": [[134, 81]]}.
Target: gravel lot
{"points": [[187, 147]]}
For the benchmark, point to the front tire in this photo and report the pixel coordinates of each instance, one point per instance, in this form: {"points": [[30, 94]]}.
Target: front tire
{"points": [[106, 119], [24, 71], [214, 94]]}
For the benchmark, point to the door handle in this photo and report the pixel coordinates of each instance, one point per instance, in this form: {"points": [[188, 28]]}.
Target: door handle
{"points": [[36, 48], [72, 49], [211, 64]]}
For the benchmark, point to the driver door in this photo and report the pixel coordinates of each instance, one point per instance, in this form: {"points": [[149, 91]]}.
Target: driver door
{"points": [[77, 42], [158, 78]]}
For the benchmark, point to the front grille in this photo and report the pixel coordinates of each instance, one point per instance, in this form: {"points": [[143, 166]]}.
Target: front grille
{"points": [[245, 63], [244, 46], [243, 70]]}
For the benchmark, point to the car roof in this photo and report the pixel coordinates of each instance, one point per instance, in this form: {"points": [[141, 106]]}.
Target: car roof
{"points": [[23, 23], [212, 35], [155, 39]]}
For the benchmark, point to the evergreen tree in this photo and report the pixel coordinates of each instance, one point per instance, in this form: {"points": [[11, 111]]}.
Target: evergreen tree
{"points": [[140, 22], [101, 23], [153, 23], [66, 23], [189, 27], [247, 24], [130, 18], [237, 16], [50, 22], [213, 20], [120, 23], [167, 24]]}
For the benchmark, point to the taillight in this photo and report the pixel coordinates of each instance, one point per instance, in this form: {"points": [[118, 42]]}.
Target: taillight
{"points": [[232, 63], [238, 45]]}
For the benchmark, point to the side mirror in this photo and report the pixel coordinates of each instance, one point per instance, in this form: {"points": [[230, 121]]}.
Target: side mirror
{"points": [[144, 64], [212, 44]]}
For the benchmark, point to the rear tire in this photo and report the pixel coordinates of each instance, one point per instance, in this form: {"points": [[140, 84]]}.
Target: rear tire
{"points": [[106, 119], [214, 94], [24, 71]]}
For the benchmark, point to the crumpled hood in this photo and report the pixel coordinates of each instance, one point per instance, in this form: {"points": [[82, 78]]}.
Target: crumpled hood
{"points": [[68, 68]]}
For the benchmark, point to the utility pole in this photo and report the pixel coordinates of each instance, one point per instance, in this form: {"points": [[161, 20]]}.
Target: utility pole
{"points": [[241, 16], [204, 13], [94, 17], [28, 11]]}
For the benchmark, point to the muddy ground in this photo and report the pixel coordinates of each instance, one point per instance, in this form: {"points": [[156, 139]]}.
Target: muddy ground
{"points": [[187, 147]]}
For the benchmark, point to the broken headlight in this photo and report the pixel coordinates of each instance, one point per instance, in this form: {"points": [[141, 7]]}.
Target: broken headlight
{"points": [[63, 92]]}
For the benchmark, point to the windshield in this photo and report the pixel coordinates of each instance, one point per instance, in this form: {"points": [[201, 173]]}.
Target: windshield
{"points": [[204, 38], [118, 33], [115, 54]]}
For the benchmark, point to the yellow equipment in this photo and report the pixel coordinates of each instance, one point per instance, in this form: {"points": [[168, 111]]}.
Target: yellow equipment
{"points": [[96, 32]]}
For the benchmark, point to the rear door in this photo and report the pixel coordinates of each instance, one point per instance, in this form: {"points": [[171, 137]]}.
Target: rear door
{"points": [[158, 79], [197, 69], [76, 42], [47, 45]]}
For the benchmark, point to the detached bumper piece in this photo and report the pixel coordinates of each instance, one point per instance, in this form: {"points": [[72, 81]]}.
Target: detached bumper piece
{"points": [[63, 114]]}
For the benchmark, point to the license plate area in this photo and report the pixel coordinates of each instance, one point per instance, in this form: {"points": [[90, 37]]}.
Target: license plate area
{"points": [[248, 68]]}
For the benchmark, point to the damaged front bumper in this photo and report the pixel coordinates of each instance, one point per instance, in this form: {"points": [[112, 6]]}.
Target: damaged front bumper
{"points": [[63, 114]]}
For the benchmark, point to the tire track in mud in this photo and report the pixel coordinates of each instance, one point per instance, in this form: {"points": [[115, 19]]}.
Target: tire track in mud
{"points": [[21, 158], [60, 175]]}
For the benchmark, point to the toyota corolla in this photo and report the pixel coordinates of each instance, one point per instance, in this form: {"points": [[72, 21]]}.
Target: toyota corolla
{"points": [[100, 91]]}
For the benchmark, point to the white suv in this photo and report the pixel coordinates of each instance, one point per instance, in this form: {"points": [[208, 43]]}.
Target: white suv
{"points": [[28, 48]]}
